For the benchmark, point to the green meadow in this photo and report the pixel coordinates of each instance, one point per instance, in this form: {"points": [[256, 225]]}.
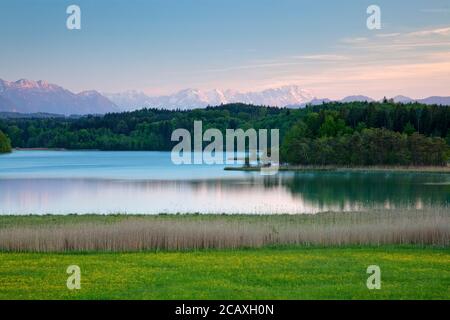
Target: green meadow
{"points": [[289, 272]]}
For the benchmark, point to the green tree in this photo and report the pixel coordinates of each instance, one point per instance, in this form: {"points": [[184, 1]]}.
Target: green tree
{"points": [[15, 135], [409, 129], [333, 127], [295, 148], [5, 143]]}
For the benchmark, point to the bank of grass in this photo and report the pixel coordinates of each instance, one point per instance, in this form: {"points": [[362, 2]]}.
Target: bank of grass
{"points": [[292, 272], [125, 233]]}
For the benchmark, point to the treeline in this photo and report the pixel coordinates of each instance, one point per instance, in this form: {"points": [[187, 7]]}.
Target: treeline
{"points": [[322, 128], [369, 147], [369, 134]]}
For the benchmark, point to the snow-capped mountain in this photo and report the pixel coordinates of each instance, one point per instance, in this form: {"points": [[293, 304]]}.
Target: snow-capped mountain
{"points": [[129, 100], [194, 98], [280, 97], [287, 96], [27, 96]]}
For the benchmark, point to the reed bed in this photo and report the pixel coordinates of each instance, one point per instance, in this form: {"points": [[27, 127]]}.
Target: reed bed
{"points": [[187, 232]]}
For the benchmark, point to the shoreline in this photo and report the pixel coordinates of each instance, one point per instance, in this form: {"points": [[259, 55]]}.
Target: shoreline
{"points": [[415, 169], [40, 149]]}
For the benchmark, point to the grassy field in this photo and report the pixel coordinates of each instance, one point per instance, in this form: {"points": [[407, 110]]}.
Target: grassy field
{"points": [[407, 272], [323, 256]]}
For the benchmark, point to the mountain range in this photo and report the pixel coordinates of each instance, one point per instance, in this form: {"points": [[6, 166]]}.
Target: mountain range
{"points": [[27, 97], [194, 98], [286, 96]]}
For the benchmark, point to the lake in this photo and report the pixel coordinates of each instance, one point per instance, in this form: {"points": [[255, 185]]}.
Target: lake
{"points": [[62, 182]]}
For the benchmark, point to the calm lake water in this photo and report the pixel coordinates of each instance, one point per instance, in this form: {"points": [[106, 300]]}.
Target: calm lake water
{"points": [[148, 182]]}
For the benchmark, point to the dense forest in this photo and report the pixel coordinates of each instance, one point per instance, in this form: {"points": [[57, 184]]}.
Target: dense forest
{"points": [[356, 133]]}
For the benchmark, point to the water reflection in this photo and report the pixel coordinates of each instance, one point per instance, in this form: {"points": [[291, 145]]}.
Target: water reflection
{"points": [[387, 190], [285, 193]]}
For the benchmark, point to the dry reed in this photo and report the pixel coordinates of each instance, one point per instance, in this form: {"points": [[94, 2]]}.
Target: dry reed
{"points": [[136, 233]]}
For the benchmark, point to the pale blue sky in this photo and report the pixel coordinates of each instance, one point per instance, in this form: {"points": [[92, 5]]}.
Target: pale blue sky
{"points": [[160, 46]]}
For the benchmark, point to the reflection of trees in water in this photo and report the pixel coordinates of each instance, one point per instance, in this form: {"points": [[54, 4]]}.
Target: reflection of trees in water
{"points": [[369, 189], [348, 190]]}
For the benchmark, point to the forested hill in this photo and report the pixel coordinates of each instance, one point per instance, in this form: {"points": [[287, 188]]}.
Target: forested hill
{"points": [[315, 134]]}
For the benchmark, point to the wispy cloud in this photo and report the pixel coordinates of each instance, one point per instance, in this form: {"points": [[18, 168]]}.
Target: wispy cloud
{"points": [[323, 57], [408, 62], [375, 79], [380, 64], [354, 40], [404, 45], [288, 61], [439, 32], [423, 38], [387, 35]]}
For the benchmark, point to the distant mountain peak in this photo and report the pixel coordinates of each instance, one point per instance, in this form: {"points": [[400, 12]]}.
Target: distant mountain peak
{"points": [[438, 100], [48, 86], [357, 98], [25, 83], [30, 84], [402, 99], [88, 93]]}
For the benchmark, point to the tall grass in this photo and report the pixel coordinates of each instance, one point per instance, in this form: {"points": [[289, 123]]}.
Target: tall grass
{"points": [[135, 233]]}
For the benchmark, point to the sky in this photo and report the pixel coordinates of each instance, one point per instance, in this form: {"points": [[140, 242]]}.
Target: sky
{"points": [[161, 46]]}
